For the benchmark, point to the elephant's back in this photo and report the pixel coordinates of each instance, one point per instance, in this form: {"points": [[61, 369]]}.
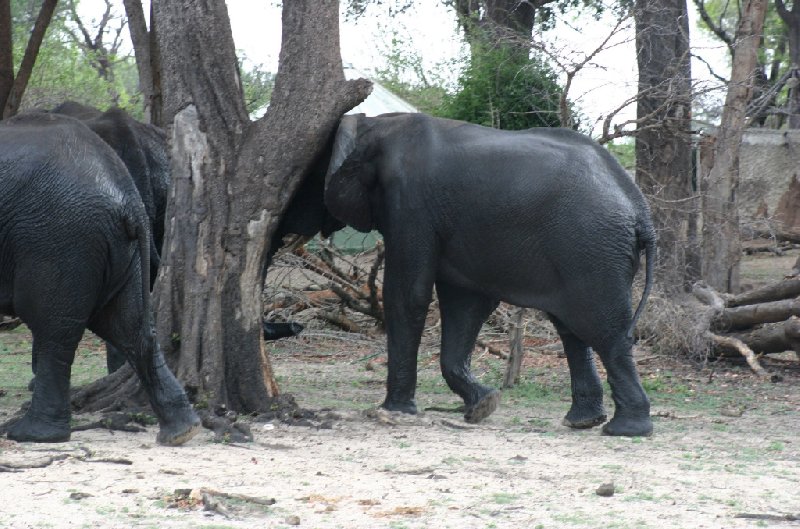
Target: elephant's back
{"points": [[56, 158], [57, 177]]}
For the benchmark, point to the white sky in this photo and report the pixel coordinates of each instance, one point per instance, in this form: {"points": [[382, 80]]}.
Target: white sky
{"points": [[431, 30]]}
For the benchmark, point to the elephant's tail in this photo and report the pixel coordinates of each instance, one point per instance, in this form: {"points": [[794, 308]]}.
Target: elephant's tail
{"points": [[647, 237], [137, 227]]}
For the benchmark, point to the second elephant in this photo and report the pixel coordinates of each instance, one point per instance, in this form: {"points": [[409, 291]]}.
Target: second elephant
{"points": [[542, 218]]}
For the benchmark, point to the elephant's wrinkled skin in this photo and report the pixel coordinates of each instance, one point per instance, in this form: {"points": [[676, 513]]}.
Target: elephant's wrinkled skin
{"points": [[541, 218], [74, 254], [143, 149]]}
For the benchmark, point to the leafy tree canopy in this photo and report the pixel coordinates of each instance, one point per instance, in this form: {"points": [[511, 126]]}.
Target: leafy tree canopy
{"points": [[503, 89]]}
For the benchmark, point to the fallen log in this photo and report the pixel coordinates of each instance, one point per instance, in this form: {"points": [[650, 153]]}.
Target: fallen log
{"points": [[788, 288], [746, 316], [767, 338], [758, 328]]}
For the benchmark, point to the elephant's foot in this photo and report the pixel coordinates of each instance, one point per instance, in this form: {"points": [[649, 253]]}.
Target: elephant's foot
{"points": [[629, 426], [31, 430], [483, 408], [405, 406], [177, 432], [582, 417]]}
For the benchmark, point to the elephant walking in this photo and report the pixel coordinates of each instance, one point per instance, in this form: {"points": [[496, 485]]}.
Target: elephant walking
{"points": [[74, 254], [542, 218]]}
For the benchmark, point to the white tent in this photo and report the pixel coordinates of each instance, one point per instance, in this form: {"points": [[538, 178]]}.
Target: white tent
{"points": [[380, 101]]}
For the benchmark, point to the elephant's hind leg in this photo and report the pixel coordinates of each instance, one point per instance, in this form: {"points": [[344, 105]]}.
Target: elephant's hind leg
{"points": [[124, 323], [632, 407], [587, 409], [48, 418], [463, 313]]}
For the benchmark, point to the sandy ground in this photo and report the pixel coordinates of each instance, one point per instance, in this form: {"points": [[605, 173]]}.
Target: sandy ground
{"points": [[519, 469]]}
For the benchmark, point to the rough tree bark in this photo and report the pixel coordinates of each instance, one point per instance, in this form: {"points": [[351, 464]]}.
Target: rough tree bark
{"points": [[232, 179], [12, 97], [663, 138], [140, 38], [721, 241]]}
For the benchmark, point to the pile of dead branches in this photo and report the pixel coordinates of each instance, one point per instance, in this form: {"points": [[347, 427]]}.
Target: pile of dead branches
{"points": [[762, 321], [340, 289]]}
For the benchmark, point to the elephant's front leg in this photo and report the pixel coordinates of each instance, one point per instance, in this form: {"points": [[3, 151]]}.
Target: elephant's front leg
{"points": [[48, 418], [463, 314], [407, 291]]}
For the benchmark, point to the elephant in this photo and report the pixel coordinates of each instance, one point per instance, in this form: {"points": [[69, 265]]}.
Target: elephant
{"points": [[74, 254], [542, 218], [144, 151]]}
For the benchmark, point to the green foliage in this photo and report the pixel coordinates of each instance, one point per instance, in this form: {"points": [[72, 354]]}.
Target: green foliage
{"points": [[624, 150], [503, 88], [62, 71], [405, 75], [257, 84]]}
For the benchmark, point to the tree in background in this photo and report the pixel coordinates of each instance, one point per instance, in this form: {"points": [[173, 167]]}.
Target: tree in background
{"points": [[774, 88], [13, 85], [663, 137], [504, 89], [719, 181]]}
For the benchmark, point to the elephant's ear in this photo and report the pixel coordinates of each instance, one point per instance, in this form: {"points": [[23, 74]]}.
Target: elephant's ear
{"points": [[347, 182]]}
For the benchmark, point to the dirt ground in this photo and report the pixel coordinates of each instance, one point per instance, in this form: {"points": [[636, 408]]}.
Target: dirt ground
{"points": [[725, 445], [725, 453]]}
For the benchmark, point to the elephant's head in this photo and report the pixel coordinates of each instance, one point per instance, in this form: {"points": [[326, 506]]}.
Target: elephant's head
{"points": [[352, 175]]}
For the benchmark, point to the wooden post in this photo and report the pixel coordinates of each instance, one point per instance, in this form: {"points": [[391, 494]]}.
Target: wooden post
{"points": [[516, 335]]}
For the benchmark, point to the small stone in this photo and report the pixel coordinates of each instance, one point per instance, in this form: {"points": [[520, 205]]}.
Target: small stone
{"points": [[606, 490], [79, 495], [293, 520]]}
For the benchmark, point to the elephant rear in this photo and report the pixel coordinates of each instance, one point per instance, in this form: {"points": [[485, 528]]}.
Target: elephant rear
{"points": [[74, 242]]}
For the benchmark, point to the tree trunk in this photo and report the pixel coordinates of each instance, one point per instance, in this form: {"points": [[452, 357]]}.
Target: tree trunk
{"points": [[6, 52], [721, 241], [232, 180], [140, 38], [663, 140], [788, 288], [14, 97]]}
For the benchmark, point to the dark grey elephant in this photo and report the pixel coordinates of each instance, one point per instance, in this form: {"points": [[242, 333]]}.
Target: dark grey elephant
{"points": [[542, 218], [74, 254], [143, 149]]}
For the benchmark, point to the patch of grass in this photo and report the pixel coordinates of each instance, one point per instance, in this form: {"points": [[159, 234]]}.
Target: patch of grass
{"points": [[503, 498], [15, 364], [776, 446], [575, 518]]}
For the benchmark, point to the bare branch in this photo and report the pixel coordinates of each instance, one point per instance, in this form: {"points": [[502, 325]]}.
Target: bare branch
{"points": [[29, 59], [716, 28]]}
